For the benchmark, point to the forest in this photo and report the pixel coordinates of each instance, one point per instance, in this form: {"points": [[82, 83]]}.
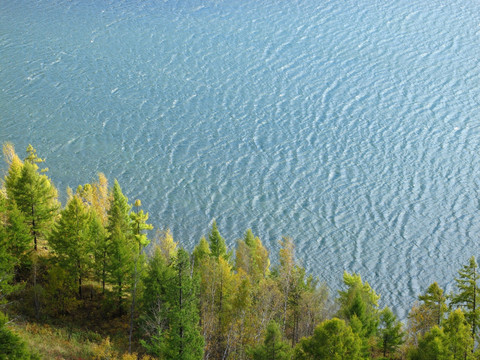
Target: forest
{"points": [[92, 279]]}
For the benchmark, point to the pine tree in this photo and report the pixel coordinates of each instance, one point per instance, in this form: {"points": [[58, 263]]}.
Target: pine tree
{"points": [[431, 346], [121, 246], [11, 346], [139, 225], [71, 241], [218, 248], [35, 197], [458, 340], [273, 347], [468, 296], [434, 300], [359, 305], [184, 340], [390, 334], [332, 340]]}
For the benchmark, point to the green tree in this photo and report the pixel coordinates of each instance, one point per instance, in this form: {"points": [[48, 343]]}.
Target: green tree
{"points": [[139, 226], [35, 197], [359, 305], [7, 261], [458, 339], [99, 239], [184, 340], [273, 348], [435, 302], [467, 296], [332, 340], [70, 239], [11, 346], [121, 246], [431, 346], [390, 334], [155, 306], [218, 248]]}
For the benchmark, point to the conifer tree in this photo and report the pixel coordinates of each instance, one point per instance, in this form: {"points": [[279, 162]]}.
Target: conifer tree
{"points": [[7, 261], [468, 294], [434, 300], [71, 241], [218, 248], [332, 340], [139, 225], [98, 236], [431, 346], [35, 196], [14, 169], [184, 340], [390, 334], [273, 348], [458, 340], [359, 305], [155, 320], [121, 246]]}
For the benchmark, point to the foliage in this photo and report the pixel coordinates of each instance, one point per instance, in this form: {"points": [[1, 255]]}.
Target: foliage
{"points": [[332, 340], [273, 346]]}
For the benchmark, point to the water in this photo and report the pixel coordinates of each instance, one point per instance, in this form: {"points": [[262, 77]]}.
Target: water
{"points": [[351, 126]]}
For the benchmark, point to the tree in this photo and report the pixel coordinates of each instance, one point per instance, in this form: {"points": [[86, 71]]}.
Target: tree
{"points": [[35, 196], [11, 346], [390, 334], [467, 296], [273, 348], [139, 225], [359, 305], [184, 340], [218, 248], [121, 246], [458, 341], [155, 307], [431, 346], [434, 300], [252, 257], [70, 239], [332, 340]]}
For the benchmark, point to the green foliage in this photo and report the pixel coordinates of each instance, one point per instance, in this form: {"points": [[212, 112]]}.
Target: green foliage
{"points": [[218, 248], [273, 348], [467, 297], [35, 197], [390, 334], [434, 301], [70, 239], [332, 340], [121, 246], [11, 346], [459, 342], [170, 300], [359, 305], [431, 346]]}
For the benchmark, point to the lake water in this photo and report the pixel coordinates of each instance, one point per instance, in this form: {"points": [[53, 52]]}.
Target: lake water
{"points": [[351, 126]]}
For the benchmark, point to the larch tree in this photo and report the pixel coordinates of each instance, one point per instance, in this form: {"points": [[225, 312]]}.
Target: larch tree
{"points": [[183, 340], [467, 297], [332, 340], [458, 340], [71, 241], [435, 301], [390, 334], [139, 226], [121, 245], [35, 196], [273, 347]]}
